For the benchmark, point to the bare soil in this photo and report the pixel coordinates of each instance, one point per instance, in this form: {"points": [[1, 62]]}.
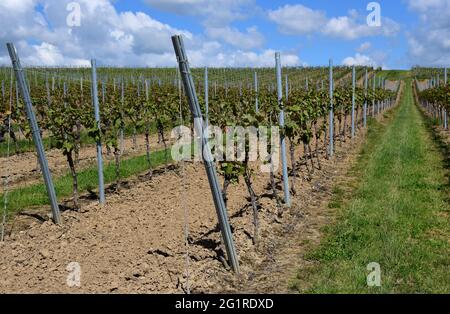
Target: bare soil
{"points": [[136, 242]]}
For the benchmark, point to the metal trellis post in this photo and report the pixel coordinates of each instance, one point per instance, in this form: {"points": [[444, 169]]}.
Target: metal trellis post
{"points": [[353, 100], [287, 87], [445, 110], [20, 77], [101, 185], [373, 99], [122, 100], [210, 168], [287, 196], [366, 81], [331, 114], [256, 92], [206, 102]]}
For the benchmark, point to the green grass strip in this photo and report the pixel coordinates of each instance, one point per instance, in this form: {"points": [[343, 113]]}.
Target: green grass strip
{"points": [[25, 145], [36, 195], [394, 74], [396, 217]]}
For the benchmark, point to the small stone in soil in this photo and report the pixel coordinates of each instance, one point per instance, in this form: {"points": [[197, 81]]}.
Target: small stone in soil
{"points": [[44, 253]]}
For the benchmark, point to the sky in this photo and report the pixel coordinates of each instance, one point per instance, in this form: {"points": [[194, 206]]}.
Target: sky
{"points": [[230, 33]]}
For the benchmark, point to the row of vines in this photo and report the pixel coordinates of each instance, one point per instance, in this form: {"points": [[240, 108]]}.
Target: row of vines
{"points": [[434, 92], [139, 102]]}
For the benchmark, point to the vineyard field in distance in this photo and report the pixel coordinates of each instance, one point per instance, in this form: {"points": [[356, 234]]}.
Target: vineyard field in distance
{"points": [[208, 163]]}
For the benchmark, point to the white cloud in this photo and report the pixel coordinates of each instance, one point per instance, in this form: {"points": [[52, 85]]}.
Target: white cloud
{"points": [[121, 38], [248, 40], [358, 59], [429, 43], [111, 37], [216, 16], [297, 19], [300, 20], [17, 6], [429, 47], [375, 59], [241, 58], [424, 5], [215, 12], [436, 12], [19, 20], [49, 55], [348, 28], [364, 47]]}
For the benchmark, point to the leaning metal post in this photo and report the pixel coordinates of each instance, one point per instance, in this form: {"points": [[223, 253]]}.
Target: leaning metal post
{"points": [[210, 168], [21, 81]]}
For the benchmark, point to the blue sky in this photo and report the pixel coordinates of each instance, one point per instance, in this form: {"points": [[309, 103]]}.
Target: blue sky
{"points": [[228, 32]]}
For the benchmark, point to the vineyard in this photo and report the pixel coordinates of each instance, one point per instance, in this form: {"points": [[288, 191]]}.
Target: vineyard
{"points": [[433, 92], [149, 103], [153, 226]]}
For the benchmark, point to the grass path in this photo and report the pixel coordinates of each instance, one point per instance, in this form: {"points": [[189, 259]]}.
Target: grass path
{"points": [[35, 195], [397, 216]]}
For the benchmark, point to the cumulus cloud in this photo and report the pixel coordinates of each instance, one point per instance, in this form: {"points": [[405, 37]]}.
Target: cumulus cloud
{"points": [[264, 59], [216, 16], [297, 19], [364, 47], [248, 40], [50, 55], [300, 20], [111, 37], [358, 59], [348, 28], [17, 6], [214, 12], [118, 38], [429, 43], [375, 59], [434, 12]]}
